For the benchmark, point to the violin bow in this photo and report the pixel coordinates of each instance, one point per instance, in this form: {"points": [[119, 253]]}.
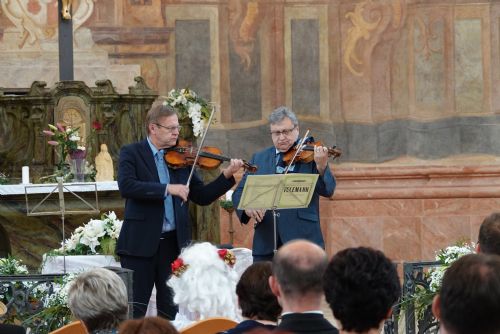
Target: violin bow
{"points": [[301, 146], [200, 145]]}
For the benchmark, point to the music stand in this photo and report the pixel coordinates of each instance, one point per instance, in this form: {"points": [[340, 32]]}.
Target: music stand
{"points": [[60, 188], [278, 191]]}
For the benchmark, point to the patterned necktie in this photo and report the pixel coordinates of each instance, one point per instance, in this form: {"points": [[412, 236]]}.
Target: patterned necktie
{"points": [[169, 221], [280, 164]]}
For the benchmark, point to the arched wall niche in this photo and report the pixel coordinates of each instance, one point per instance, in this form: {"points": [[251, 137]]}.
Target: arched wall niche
{"points": [[74, 112]]}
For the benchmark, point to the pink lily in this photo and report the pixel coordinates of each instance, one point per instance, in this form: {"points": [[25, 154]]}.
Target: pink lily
{"points": [[61, 127], [48, 133], [52, 142]]}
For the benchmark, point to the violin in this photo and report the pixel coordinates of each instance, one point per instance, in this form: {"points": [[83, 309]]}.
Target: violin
{"points": [[306, 152], [183, 155]]}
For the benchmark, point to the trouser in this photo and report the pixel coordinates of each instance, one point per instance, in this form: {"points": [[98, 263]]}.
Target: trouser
{"points": [[154, 270], [268, 257]]}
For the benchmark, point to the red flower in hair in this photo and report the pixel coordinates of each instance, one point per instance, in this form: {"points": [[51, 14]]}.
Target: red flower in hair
{"points": [[178, 267], [227, 256]]}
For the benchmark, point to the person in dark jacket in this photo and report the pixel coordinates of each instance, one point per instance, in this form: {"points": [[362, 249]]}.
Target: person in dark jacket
{"points": [[156, 224]]}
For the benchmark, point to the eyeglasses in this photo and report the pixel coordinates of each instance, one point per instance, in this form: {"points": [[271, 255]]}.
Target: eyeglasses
{"points": [[170, 128], [285, 132]]}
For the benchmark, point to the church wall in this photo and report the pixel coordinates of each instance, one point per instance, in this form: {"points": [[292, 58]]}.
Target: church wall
{"points": [[416, 77], [396, 84], [408, 212]]}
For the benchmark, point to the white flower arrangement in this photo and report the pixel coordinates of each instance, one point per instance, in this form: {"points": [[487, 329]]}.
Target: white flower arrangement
{"points": [[55, 312], [11, 266], [98, 236], [59, 297], [53, 298], [447, 256], [422, 297], [189, 104]]}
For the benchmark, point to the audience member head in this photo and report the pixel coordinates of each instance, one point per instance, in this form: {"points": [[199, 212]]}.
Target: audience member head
{"points": [[297, 279], [255, 297], [469, 300], [361, 286], [489, 235], [148, 325], [204, 281], [98, 297]]}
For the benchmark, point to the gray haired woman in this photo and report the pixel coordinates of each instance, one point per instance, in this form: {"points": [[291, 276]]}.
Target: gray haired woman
{"points": [[98, 298]]}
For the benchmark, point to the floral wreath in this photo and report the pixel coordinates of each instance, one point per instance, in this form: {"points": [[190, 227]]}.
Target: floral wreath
{"points": [[179, 267]]}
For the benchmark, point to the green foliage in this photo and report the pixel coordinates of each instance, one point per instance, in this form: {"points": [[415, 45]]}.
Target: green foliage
{"points": [[11, 266], [52, 301], [422, 298], [226, 204], [4, 178]]}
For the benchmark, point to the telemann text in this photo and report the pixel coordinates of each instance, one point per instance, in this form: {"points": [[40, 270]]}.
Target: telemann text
{"points": [[296, 189]]}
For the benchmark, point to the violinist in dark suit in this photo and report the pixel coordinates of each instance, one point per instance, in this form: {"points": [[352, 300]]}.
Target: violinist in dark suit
{"points": [[156, 224], [291, 223]]}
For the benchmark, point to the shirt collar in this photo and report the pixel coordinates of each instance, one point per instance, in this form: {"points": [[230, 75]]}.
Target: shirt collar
{"points": [[153, 148], [311, 311]]}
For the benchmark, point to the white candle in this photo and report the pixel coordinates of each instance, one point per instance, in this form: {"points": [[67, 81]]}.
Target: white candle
{"points": [[26, 175]]}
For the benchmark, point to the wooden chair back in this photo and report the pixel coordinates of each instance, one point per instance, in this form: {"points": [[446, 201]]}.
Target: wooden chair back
{"points": [[75, 327], [209, 326]]}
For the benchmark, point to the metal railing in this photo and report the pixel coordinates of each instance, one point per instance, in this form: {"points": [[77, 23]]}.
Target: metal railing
{"points": [[24, 297], [405, 319]]}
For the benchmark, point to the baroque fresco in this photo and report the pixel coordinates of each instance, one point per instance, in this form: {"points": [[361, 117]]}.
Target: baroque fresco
{"points": [[418, 79]]}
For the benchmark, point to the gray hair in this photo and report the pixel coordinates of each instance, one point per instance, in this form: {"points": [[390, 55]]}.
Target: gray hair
{"points": [[280, 113], [98, 298], [159, 109]]}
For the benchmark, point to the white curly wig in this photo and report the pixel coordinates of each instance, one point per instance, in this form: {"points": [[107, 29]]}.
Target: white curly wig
{"points": [[207, 288]]}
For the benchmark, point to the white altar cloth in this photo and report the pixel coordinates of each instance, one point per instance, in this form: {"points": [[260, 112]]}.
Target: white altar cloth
{"points": [[44, 188], [76, 263]]}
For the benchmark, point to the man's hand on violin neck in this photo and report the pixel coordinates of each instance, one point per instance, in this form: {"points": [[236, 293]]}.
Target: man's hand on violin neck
{"points": [[179, 190], [233, 167], [321, 158]]}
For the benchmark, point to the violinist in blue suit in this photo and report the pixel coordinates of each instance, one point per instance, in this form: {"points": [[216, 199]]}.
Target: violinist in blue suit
{"points": [[156, 225], [291, 223]]}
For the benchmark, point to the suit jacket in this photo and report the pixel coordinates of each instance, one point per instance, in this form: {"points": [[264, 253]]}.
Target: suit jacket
{"points": [[140, 185], [306, 323], [291, 223], [246, 326]]}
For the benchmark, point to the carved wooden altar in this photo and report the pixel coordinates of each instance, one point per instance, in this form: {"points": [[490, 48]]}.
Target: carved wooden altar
{"points": [[24, 113]]}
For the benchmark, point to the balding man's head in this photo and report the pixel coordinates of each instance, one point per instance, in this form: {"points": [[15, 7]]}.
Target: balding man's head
{"points": [[299, 266]]}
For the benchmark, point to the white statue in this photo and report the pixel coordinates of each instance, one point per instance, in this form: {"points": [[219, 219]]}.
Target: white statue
{"points": [[104, 165]]}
